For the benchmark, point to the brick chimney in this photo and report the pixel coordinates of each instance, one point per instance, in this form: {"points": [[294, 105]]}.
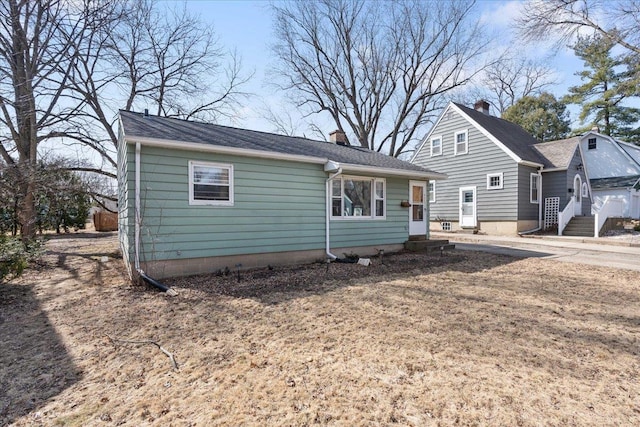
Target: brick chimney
{"points": [[338, 137], [482, 106]]}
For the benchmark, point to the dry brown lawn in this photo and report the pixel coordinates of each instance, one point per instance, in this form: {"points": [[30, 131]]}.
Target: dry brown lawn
{"points": [[467, 338]]}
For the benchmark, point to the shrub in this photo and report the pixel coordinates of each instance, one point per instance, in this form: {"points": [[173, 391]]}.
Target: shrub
{"points": [[15, 256]]}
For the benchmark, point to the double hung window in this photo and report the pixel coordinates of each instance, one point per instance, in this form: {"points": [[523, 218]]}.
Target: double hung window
{"points": [[210, 184], [461, 142]]}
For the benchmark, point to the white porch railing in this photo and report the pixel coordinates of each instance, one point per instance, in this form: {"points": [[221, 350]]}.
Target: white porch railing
{"points": [[565, 216], [610, 208]]}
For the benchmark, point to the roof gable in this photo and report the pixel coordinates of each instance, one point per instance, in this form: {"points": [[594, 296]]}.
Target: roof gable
{"points": [[509, 137], [179, 133], [558, 154], [514, 140]]}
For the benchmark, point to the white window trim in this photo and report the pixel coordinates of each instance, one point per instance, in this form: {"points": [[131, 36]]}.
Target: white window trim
{"points": [[432, 194], [435, 138], [585, 190], [455, 142], [371, 217], [537, 201], [194, 202], [497, 187]]}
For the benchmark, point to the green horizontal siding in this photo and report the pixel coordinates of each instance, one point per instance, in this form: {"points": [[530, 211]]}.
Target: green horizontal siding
{"points": [[278, 206], [394, 229]]}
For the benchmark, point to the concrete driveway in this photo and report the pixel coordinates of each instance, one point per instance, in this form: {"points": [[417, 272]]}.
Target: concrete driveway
{"points": [[599, 252]]}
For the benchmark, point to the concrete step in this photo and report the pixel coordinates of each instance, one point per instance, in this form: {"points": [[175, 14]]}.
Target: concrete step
{"points": [[428, 245], [581, 226]]}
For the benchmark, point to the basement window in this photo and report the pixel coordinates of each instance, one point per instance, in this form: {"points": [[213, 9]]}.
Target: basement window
{"points": [[210, 184]]}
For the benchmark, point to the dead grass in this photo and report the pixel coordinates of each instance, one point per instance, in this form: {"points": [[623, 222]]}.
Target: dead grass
{"points": [[468, 338]]}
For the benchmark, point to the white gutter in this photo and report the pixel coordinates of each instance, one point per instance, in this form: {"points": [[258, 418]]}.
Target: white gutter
{"points": [[532, 164], [138, 217], [328, 214]]}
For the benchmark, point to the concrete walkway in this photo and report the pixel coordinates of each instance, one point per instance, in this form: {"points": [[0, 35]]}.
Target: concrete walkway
{"points": [[603, 252]]}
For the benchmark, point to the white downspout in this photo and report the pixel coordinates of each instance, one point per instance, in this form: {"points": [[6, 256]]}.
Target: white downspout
{"points": [[137, 210], [328, 214]]}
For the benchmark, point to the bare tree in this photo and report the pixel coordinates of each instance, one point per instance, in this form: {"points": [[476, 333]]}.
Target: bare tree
{"points": [[509, 79], [379, 69], [147, 56], [618, 21], [66, 66], [36, 39]]}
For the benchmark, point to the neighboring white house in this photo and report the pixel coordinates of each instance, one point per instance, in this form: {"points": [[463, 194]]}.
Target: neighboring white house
{"points": [[613, 169]]}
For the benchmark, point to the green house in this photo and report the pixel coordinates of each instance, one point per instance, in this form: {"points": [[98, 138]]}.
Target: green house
{"points": [[197, 197]]}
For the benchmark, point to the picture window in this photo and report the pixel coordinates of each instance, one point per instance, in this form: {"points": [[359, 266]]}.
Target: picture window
{"points": [[355, 197]]}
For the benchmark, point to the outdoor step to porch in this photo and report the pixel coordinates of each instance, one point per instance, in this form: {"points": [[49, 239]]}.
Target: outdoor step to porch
{"points": [[428, 245], [580, 226]]}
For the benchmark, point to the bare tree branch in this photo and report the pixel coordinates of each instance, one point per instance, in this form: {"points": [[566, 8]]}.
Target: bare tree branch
{"points": [[381, 70]]}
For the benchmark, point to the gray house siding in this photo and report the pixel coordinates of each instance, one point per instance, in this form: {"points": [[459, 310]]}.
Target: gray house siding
{"points": [[558, 183], [279, 206], [554, 184], [471, 169], [526, 209]]}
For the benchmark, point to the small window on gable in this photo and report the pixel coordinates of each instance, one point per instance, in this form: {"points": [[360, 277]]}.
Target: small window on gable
{"points": [[461, 143], [585, 190], [592, 144], [432, 191], [494, 181], [210, 184], [436, 146], [534, 188]]}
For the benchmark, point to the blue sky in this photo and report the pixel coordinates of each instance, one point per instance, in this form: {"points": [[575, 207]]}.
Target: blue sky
{"points": [[247, 27]]}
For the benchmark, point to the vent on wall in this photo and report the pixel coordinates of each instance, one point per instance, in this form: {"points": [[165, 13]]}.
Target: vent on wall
{"points": [[446, 225]]}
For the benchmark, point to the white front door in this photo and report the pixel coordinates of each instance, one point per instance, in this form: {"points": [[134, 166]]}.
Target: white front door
{"points": [[468, 207], [418, 212], [577, 193]]}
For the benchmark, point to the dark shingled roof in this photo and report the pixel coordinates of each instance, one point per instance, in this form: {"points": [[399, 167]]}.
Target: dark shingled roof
{"points": [[615, 182], [516, 139], [558, 154], [138, 125]]}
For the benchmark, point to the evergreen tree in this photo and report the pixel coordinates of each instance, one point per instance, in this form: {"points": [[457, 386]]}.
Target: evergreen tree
{"points": [[543, 116], [608, 82]]}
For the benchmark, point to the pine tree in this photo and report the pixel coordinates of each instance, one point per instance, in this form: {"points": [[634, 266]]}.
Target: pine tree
{"points": [[608, 82], [543, 116]]}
